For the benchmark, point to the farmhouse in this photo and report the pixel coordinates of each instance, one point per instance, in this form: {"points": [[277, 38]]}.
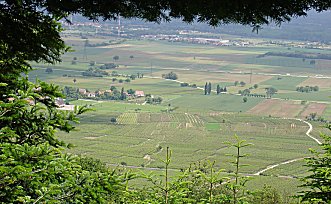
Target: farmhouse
{"points": [[82, 91], [99, 93], [67, 107], [89, 94], [59, 102], [139, 94]]}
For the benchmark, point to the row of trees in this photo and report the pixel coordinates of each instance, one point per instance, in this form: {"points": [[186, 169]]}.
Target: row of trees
{"points": [[121, 80], [184, 84], [153, 100], [269, 93], [315, 117], [95, 72], [132, 76], [220, 89], [208, 88], [307, 89], [302, 55], [108, 66]]}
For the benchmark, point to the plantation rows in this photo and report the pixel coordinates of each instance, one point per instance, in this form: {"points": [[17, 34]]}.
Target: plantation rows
{"points": [[182, 120], [127, 118]]}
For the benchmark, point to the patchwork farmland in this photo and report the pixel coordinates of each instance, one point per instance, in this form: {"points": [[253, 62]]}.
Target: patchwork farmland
{"points": [[134, 134]]}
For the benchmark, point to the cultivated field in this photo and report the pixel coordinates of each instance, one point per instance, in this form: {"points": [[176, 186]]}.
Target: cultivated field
{"points": [[318, 108], [320, 82], [139, 138], [277, 108]]}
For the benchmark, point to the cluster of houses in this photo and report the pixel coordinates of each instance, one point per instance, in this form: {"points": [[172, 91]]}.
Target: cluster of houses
{"points": [[98, 93], [210, 41], [177, 38]]}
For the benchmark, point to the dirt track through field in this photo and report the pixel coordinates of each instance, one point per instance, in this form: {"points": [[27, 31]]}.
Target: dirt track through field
{"points": [[292, 160]]}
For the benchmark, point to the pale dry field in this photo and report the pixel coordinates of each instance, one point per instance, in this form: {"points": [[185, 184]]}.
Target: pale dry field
{"points": [[277, 108], [322, 83], [317, 108]]}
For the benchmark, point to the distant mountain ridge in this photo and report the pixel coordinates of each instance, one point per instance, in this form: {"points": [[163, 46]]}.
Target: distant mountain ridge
{"points": [[314, 27]]}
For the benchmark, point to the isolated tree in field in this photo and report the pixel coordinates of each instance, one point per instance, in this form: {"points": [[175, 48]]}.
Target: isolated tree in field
{"points": [[270, 91], [242, 83], [115, 58], [49, 70], [131, 57], [245, 99], [74, 80], [123, 95], [131, 91], [218, 89], [170, 75], [120, 81], [112, 88], [245, 92], [206, 88], [319, 180], [209, 88], [113, 120], [255, 86]]}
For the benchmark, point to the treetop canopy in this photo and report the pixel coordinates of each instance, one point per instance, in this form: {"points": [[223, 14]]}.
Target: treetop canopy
{"points": [[213, 12]]}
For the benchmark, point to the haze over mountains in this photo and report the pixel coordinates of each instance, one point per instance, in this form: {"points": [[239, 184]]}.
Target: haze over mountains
{"points": [[314, 27]]}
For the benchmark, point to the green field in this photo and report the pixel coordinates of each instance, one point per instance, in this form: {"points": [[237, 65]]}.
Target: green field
{"points": [[139, 133], [284, 83], [223, 102], [323, 96]]}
